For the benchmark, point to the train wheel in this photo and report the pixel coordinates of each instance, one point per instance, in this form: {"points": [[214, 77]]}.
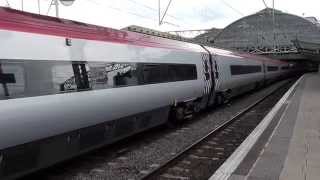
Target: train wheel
{"points": [[219, 99], [176, 115], [197, 107], [179, 114]]}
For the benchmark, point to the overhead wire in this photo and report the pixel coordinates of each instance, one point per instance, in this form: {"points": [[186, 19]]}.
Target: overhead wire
{"points": [[231, 7], [265, 4], [132, 13], [49, 7], [8, 4], [165, 12], [120, 10], [154, 9]]}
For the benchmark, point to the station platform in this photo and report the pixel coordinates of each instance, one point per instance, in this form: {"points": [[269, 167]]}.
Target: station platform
{"points": [[286, 144]]}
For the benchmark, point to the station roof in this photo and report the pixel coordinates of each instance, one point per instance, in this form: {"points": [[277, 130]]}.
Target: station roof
{"points": [[261, 32]]}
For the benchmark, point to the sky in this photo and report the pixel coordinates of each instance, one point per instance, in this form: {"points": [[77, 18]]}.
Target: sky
{"points": [[181, 14]]}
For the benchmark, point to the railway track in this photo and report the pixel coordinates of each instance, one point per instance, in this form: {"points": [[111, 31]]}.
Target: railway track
{"points": [[124, 160], [201, 159]]}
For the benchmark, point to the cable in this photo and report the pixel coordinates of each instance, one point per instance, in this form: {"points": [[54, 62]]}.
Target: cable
{"points": [[143, 5], [234, 9], [119, 10], [165, 12], [39, 10], [49, 7], [265, 4], [7, 2], [155, 10], [131, 13]]}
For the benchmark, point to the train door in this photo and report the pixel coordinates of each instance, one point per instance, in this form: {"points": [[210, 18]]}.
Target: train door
{"points": [[212, 79], [216, 71], [215, 78], [208, 78]]}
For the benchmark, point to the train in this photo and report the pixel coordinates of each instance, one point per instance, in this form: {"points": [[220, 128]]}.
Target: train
{"points": [[68, 87]]}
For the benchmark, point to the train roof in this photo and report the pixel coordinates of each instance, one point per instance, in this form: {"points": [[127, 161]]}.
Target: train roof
{"points": [[225, 52], [15, 20]]}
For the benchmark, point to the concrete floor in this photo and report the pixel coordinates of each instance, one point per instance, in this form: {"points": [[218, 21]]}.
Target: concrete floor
{"points": [[289, 148]]}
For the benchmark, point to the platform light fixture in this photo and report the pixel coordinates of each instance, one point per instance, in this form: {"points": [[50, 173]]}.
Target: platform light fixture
{"points": [[67, 2], [56, 4]]}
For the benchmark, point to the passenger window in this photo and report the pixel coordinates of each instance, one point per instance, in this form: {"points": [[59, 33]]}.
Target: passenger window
{"points": [[273, 68], [63, 78], [36, 78], [182, 72], [124, 74], [173, 73], [244, 69], [99, 76], [2, 93], [11, 80], [152, 73]]}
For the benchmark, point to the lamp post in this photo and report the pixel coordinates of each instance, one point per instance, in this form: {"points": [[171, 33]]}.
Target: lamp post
{"points": [[274, 31], [56, 3], [39, 11]]}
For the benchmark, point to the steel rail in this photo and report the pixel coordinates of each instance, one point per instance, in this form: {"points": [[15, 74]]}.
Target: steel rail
{"points": [[164, 166]]}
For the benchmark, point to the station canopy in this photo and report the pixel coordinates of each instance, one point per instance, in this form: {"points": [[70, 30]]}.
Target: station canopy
{"points": [[272, 33]]}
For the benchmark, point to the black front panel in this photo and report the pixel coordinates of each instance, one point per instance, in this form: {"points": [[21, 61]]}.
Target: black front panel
{"points": [[36, 78], [244, 69]]}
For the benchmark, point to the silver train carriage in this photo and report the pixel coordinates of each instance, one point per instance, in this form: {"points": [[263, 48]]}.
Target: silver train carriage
{"points": [[67, 87]]}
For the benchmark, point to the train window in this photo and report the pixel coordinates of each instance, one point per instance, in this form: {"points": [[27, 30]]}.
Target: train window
{"points": [[273, 68], [244, 69], [190, 72], [285, 67], [124, 74], [99, 76], [173, 73], [37, 78], [63, 78], [152, 74], [12, 83], [183, 72], [3, 94]]}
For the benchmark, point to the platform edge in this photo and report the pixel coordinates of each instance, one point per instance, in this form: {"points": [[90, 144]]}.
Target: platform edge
{"points": [[230, 165]]}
